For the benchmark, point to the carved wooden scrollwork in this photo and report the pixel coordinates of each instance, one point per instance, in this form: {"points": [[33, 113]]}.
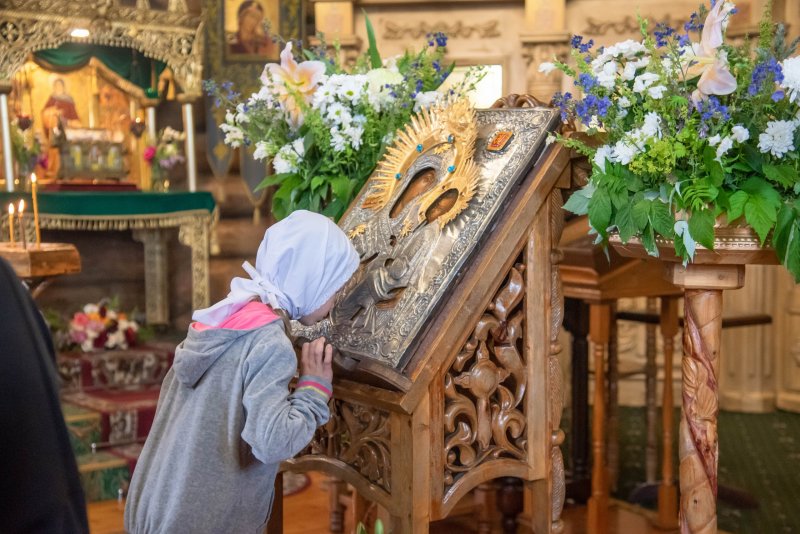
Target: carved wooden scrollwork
{"points": [[359, 436], [486, 385]]}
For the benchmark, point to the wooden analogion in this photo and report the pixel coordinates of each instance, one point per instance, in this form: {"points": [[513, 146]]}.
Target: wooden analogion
{"points": [[448, 375]]}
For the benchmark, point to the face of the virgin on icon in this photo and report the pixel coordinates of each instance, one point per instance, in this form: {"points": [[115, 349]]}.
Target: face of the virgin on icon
{"points": [[251, 20]]}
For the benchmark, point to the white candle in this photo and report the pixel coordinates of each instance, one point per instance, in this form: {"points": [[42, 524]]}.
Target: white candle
{"points": [[35, 211], [11, 222], [22, 224]]}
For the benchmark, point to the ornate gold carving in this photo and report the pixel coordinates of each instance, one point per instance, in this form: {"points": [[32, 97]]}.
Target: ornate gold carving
{"points": [[450, 125], [486, 385], [173, 36], [484, 30], [359, 436], [357, 231]]}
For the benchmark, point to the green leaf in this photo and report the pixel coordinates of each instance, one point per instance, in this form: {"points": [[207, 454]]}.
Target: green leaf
{"points": [[317, 181], [284, 192], [662, 219], [753, 157], [600, 211], [308, 142], [341, 187], [784, 175], [372, 51], [624, 222], [578, 202], [783, 229], [762, 188], [761, 215], [713, 166], [640, 213], [275, 179], [737, 202], [378, 526], [649, 241], [701, 227], [619, 197]]}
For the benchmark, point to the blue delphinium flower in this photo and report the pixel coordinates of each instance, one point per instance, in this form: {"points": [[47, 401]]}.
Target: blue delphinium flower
{"points": [[778, 95], [562, 102], [762, 72], [592, 106], [436, 66], [586, 82], [441, 39], [662, 34], [419, 86], [578, 44], [694, 24]]}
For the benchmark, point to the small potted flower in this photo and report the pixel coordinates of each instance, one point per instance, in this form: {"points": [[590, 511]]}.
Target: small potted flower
{"points": [[164, 156]]}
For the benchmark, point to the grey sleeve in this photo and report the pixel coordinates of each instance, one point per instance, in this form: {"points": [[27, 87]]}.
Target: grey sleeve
{"points": [[278, 425]]}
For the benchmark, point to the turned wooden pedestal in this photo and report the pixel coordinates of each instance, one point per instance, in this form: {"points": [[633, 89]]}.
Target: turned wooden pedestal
{"points": [[703, 282]]}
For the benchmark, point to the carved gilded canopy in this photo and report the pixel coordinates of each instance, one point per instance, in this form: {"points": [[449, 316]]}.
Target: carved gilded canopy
{"points": [[173, 36]]}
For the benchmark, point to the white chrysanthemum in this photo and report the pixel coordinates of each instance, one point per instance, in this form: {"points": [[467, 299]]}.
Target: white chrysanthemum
{"points": [[426, 99], [601, 155], [352, 87], [778, 138], [643, 81], [234, 137], [380, 86], [287, 158], [338, 114], [740, 134], [547, 67], [791, 78], [354, 133], [338, 141], [625, 151], [261, 152], [656, 92]]}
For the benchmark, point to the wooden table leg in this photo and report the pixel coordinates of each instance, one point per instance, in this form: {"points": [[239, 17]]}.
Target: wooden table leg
{"points": [[651, 379], [599, 328], [698, 445], [612, 403], [576, 322], [667, 491]]}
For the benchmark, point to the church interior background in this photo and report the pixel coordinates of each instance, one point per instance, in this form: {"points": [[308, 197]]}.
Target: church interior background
{"points": [[93, 93]]}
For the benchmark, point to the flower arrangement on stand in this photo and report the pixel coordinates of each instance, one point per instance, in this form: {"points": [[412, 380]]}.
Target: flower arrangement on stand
{"points": [[98, 326], [326, 127], [164, 156], [691, 131], [26, 147]]}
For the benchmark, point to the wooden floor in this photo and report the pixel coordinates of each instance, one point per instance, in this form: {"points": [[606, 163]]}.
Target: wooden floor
{"points": [[307, 513]]}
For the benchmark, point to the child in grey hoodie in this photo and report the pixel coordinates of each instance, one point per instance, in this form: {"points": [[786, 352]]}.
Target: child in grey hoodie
{"points": [[225, 417]]}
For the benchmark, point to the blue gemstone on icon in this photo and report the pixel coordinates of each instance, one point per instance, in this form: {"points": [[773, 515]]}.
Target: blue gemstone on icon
{"points": [[398, 175], [450, 138], [419, 148], [451, 168]]}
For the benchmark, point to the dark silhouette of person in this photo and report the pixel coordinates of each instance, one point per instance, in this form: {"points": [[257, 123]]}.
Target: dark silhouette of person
{"points": [[40, 491]]}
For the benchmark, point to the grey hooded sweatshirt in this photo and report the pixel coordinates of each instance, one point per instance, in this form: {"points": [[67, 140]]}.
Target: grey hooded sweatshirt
{"points": [[224, 422]]}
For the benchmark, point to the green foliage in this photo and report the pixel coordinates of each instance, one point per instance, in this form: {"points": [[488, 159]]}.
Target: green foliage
{"points": [[372, 51], [361, 529]]}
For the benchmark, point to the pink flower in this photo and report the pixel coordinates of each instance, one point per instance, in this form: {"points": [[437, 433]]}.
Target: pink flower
{"points": [[95, 326], [293, 82], [708, 61], [77, 336], [80, 320], [149, 153]]}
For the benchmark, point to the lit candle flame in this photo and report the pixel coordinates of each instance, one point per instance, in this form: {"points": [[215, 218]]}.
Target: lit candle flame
{"points": [[21, 206], [11, 209], [33, 178]]}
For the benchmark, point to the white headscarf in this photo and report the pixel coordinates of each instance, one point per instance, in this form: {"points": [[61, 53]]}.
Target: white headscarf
{"points": [[302, 261]]}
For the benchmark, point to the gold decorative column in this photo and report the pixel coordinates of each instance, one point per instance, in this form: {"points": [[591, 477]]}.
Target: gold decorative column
{"points": [[545, 40], [186, 101]]}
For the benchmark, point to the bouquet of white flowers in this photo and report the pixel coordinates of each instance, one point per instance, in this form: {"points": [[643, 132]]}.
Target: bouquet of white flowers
{"points": [[324, 127], [690, 131]]}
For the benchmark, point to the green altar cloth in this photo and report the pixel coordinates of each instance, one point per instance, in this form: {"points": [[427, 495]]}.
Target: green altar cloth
{"points": [[112, 203]]}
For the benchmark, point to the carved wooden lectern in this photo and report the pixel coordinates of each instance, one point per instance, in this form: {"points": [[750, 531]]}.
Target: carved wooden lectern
{"points": [[448, 375]]}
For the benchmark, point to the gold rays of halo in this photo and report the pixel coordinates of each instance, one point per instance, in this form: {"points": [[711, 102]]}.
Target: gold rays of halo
{"points": [[448, 124]]}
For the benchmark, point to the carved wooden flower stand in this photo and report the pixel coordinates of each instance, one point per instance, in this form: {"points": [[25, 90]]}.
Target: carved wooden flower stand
{"points": [[703, 282]]}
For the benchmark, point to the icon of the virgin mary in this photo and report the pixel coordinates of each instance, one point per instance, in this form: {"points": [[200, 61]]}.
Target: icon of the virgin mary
{"points": [[61, 102], [251, 37]]}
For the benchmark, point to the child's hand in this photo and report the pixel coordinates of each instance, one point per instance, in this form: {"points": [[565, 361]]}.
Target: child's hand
{"points": [[316, 359]]}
